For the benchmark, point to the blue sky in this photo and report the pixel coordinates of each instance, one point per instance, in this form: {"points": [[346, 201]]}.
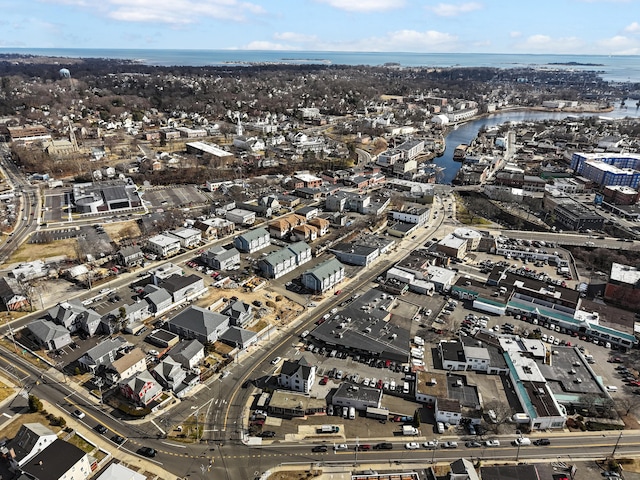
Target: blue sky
{"points": [[483, 26]]}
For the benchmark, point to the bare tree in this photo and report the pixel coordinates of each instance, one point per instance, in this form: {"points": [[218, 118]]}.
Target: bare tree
{"points": [[626, 405], [503, 414]]}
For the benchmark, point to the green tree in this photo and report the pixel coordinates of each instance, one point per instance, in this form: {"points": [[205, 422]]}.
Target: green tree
{"points": [[35, 405]]}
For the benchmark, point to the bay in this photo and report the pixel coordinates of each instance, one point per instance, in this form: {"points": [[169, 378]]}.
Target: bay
{"points": [[468, 131]]}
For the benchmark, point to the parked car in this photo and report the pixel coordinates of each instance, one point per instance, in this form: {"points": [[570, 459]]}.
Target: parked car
{"points": [[340, 446], [450, 445], [431, 444], [492, 443], [542, 441], [118, 439], [276, 361], [473, 445], [100, 429], [78, 414], [412, 446]]}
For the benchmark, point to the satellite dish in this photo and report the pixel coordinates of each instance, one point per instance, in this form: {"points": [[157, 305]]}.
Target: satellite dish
{"points": [[64, 73]]}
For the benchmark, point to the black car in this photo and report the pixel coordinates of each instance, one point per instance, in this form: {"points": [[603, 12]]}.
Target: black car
{"points": [[268, 434], [383, 446], [118, 439], [100, 429], [319, 448], [147, 452], [542, 441]]}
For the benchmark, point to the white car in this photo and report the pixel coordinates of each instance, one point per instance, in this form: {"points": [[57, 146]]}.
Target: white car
{"points": [[492, 443], [412, 446], [78, 413], [431, 444], [275, 360], [340, 446]]}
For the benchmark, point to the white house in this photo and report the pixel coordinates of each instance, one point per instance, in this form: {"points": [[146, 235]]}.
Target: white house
{"points": [[163, 245], [298, 376], [189, 237]]}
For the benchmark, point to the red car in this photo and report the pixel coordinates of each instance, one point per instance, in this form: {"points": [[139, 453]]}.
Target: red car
{"points": [[338, 292], [379, 385], [324, 380], [363, 448]]}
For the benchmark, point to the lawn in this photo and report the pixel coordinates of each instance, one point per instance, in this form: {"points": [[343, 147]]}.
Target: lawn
{"points": [[5, 391], [28, 252]]}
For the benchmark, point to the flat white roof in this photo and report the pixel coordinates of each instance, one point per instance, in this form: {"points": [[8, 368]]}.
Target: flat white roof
{"points": [[209, 148], [624, 274], [452, 242], [163, 240]]}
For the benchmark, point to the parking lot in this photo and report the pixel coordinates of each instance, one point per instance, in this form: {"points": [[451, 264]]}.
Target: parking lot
{"points": [[174, 197]]}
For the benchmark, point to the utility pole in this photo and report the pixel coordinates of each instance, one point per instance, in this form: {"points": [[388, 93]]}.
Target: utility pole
{"points": [[615, 447]]}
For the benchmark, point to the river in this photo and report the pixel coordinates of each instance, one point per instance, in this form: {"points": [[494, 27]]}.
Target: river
{"points": [[468, 131]]}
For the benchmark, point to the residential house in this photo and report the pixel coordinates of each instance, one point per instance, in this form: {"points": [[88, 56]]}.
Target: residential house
{"points": [[324, 277], [199, 323], [304, 233], [239, 313], [169, 373], [463, 469], [281, 227], [158, 298], [102, 354], [164, 271], [220, 258], [239, 337], [142, 388], [253, 240], [321, 224], [31, 439], [184, 288], [188, 353], [11, 294], [298, 375], [189, 237], [215, 227], [126, 317], [163, 246], [49, 335], [59, 461], [75, 317], [131, 256], [126, 366], [285, 260]]}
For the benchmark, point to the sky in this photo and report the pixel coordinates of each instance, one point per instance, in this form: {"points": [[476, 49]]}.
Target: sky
{"points": [[587, 27]]}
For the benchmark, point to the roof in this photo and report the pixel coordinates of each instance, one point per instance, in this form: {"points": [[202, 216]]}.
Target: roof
{"points": [[254, 234], [325, 269], [199, 320], [185, 233], [117, 471], [453, 351], [452, 241], [509, 472], [103, 348], [163, 240], [279, 256], [157, 295], [186, 349], [128, 360], [46, 330], [177, 282], [54, 461], [290, 368], [463, 466], [624, 274], [130, 251], [236, 335], [358, 392]]}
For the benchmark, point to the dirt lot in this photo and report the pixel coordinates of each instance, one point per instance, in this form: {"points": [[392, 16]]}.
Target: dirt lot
{"points": [[28, 252]]}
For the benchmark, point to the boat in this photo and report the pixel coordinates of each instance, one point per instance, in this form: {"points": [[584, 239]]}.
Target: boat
{"points": [[460, 152]]}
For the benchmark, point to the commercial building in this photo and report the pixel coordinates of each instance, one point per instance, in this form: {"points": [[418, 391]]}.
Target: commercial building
{"points": [[453, 246], [419, 216], [608, 169], [623, 286], [357, 396], [355, 254], [241, 217], [189, 237]]}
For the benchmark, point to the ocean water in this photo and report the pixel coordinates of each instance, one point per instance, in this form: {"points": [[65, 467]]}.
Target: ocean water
{"points": [[625, 68]]}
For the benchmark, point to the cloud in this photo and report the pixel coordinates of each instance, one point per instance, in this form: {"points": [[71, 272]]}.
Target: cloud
{"points": [[177, 12], [266, 45], [295, 37], [515, 34], [405, 41], [547, 44], [452, 10], [364, 5], [620, 45], [633, 28]]}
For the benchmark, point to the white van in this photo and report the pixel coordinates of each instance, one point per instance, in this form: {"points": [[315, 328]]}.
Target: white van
{"points": [[611, 388], [352, 413], [405, 388], [522, 442]]}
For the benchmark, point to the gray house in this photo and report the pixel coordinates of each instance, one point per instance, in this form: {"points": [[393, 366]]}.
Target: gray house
{"points": [[102, 354], [239, 313], [285, 260], [75, 317], [324, 276], [131, 256], [239, 337], [183, 288], [221, 258], [199, 323], [189, 353], [49, 335], [253, 240], [158, 298], [169, 373]]}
